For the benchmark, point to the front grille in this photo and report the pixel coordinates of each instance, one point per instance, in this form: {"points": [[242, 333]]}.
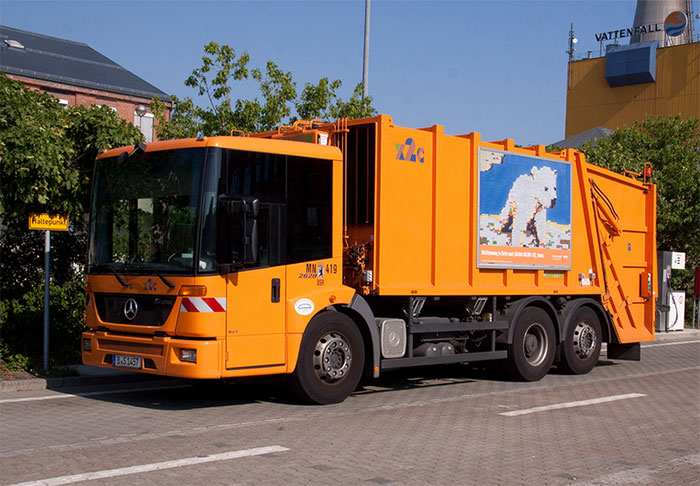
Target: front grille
{"points": [[152, 310], [137, 348]]}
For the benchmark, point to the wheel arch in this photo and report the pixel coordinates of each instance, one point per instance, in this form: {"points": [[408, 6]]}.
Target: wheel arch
{"points": [[570, 309], [519, 306], [360, 312]]}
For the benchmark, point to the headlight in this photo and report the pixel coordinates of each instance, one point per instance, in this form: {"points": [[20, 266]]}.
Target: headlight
{"points": [[188, 355]]}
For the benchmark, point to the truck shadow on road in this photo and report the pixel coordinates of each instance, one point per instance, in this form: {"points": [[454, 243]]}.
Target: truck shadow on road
{"points": [[179, 395]]}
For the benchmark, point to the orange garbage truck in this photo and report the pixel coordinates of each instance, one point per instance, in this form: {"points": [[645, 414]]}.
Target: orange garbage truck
{"points": [[325, 251]]}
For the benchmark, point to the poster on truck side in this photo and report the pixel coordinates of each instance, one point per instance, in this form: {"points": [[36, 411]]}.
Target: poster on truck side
{"points": [[524, 211]]}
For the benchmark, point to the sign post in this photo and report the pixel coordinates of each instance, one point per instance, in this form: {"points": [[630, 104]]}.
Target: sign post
{"points": [[47, 223], [47, 261]]}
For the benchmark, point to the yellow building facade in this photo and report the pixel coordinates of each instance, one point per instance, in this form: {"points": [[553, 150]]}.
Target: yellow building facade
{"points": [[591, 102]]}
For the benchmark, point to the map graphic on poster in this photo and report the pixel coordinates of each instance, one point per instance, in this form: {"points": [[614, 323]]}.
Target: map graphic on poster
{"points": [[524, 211]]}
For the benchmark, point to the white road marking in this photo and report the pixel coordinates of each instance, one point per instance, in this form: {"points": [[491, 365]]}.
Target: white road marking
{"points": [[580, 403], [91, 394], [669, 344], [157, 466]]}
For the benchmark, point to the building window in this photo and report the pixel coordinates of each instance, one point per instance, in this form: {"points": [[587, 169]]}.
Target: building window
{"points": [[145, 124]]}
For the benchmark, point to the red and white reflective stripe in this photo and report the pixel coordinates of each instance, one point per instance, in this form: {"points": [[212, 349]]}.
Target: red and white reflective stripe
{"points": [[203, 304]]}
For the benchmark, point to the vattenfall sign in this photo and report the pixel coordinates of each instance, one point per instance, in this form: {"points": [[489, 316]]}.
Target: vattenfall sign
{"points": [[674, 25], [44, 221]]}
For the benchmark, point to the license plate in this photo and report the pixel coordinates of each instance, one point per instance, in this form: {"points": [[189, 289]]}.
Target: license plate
{"points": [[123, 361]]}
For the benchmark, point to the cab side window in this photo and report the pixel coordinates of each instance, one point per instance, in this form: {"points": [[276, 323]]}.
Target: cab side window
{"points": [[310, 209], [294, 221]]}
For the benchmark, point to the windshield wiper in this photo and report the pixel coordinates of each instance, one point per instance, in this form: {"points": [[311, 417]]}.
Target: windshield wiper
{"points": [[165, 280], [119, 278]]}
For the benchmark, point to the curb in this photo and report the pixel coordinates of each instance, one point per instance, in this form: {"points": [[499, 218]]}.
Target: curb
{"points": [[36, 384]]}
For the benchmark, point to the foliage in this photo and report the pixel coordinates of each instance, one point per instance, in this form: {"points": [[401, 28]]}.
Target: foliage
{"points": [[13, 362], [34, 158], [321, 102], [46, 158], [22, 321], [315, 100], [215, 80], [672, 145], [47, 152]]}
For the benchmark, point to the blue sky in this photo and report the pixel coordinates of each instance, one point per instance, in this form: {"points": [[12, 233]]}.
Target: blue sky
{"points": [[495, 67]]}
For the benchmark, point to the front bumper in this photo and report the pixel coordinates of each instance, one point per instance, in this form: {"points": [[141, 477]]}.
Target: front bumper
{"points": [[159, 355]]}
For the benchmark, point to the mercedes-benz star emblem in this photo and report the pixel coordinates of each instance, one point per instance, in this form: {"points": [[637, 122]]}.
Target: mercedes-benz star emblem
{"points": [[130, 309]]}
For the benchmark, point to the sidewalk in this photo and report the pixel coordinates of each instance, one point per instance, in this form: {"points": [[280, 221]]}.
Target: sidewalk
{"points": [[87, 376], [689, 334], [93, 376]]}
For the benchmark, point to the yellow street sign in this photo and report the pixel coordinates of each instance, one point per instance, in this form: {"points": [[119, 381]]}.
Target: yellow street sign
{"points": [[44, 221]]}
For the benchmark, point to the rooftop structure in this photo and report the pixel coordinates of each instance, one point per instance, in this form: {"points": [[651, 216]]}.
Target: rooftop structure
{"points": [[77, 75]]}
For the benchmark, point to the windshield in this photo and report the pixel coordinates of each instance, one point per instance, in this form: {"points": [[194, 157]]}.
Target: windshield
{"points": [[144, 212]]}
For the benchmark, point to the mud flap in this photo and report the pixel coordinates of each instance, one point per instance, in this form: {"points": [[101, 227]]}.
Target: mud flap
{"points": [[628, 352]]}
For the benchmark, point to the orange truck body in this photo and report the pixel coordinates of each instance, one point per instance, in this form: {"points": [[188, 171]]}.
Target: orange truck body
{"points": [[416, 216]]}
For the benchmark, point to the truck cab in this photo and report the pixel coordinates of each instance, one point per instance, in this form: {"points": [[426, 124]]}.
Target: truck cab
{"points": [[207, 255]]}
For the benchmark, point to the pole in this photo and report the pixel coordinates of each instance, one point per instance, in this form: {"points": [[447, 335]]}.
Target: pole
{"points": [[570, 52], [365, 57], [47, 260]]}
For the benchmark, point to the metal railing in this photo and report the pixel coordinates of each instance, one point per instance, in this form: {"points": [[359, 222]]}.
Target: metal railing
{"points": [[600, 50]]}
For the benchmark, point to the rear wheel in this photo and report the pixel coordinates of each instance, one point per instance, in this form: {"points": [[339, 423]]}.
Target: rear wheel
{"points": [[581, 347], [330, 360], [531, 353]]}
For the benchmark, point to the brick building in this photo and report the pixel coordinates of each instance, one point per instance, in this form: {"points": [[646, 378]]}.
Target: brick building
{"points": [[77, 74]]}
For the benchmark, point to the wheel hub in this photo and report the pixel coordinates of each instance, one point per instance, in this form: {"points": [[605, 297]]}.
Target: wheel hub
{"points": [[585, 340], [535, 344], [332, 357]]}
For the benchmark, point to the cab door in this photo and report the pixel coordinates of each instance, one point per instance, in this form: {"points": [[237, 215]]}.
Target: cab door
{"points": [[255, 314], [255, 319]]}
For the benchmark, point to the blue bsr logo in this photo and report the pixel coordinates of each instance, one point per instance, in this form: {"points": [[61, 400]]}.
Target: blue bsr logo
{"points": [[407, 151]]}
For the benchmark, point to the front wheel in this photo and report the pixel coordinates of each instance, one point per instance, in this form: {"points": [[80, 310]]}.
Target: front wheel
{"points": [[531, 354], [330, 360], [581, 346]]}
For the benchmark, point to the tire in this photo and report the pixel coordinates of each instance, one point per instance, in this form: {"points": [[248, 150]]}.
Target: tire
{"points": [[330, 362], [581, 347], [531, 354]]}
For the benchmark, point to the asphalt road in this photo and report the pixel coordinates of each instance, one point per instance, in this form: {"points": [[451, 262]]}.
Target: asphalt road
{"points": [[624, 423]]}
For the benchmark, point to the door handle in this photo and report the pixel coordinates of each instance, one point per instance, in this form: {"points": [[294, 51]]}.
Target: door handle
{"points": [[275, 293]]}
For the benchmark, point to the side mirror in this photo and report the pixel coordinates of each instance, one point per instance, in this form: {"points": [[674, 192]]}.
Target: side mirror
{"points": [[237, 232]]}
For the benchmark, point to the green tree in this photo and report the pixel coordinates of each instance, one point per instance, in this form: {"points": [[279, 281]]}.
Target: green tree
{"points": [[47, 152], [215, 80], [221, 72], [320, 101], [672, 145], [46, 158]]}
